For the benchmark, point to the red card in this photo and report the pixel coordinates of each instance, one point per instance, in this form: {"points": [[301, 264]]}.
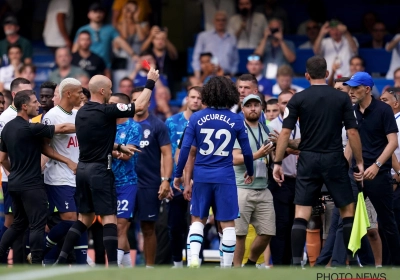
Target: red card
{"points": [[146, 65]]}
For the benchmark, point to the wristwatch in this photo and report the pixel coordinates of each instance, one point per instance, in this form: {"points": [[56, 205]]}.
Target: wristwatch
{"points": [[378, 164], [166, 179]]}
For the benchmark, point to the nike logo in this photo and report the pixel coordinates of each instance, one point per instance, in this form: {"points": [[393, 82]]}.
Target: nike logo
{"points": [[151, 216], [119, 213]]}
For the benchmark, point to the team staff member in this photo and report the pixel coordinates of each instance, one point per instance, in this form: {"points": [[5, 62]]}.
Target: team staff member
{"points": [[255, 199], [10, 113], [129, 133], [322, 112], [284, 195], [154, 166], [178, 206], [23, 143], [95, 190], [378, 132]]}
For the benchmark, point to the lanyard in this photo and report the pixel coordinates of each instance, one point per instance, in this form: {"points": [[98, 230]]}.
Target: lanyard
{"points": [[260, 138], [398, 116], [293, 131], [337, 49]]}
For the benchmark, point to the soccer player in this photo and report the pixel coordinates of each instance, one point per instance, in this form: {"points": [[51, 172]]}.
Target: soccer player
{"points": [[178, 205], [59, 180], [95, 190], [214, 131], [46, 99], [129, 133]]}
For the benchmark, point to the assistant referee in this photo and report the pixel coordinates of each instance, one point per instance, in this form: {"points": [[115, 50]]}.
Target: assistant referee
{"points": [[321, 111], [95, 190]]}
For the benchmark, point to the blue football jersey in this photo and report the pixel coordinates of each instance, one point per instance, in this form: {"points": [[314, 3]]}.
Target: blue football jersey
{"points": [[128, 133], [213, 132]]}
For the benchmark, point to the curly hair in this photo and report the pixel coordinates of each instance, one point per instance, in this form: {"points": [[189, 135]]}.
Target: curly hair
{"points": [[220, 92]]}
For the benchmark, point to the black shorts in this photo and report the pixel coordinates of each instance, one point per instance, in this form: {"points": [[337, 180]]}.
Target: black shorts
{"points": [[95, 189], [316, 169], [147, 204]]}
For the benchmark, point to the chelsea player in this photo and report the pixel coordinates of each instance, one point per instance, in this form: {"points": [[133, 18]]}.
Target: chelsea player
{"points": [[213, 132], [129, 133], [178, 206]]}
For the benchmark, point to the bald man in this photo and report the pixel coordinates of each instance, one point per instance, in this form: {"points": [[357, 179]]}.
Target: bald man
{"points": [[95, 190], [58, 178]]}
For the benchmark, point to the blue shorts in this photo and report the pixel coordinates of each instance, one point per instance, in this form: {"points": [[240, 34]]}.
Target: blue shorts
{"points": [[61, 198], [147, 204], [7, 199], [223, 197], [126, 196]]}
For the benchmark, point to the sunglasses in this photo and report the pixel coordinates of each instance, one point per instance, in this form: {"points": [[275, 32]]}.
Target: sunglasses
{"points": [[253, 58]]}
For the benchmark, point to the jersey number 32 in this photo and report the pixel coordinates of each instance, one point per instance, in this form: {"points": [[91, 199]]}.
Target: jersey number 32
{"points": [[207, 140]]}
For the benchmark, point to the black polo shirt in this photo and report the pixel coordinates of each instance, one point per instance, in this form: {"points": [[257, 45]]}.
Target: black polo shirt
{"points": [[321, 111], [374, 125], [96, 127], [23, 141]]}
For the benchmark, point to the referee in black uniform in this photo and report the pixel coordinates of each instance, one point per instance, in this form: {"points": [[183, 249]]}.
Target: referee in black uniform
{"points": [[23, 143], [95, 191], [321, 111]]}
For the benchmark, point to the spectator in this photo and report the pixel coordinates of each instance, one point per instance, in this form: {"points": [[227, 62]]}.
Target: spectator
{"points": [[10, 72], [255, 67], [338, 48], [126, 86], [312, 31], [131, 28], [274, 49], [84, 79], [396, 79], [394, 47], [2, 102], [271, 9], [65, 69], [271, 110], [163, 51], [368, 21], [28, 71], [248, 26], [284, 81], [11, 28], [378, 37], [144, 11], [87, 60], [218, 42], [59, 20], [208, 68], [7, 98], [163, 111], [102, 36], [210, 7]]}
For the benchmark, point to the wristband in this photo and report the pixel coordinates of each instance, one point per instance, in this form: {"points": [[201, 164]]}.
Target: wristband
{"points": [[150, 84], [278, 162], [119, 147]]}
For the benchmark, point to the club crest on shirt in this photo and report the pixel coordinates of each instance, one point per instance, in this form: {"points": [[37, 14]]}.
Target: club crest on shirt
{"points": [[146, 133], [286, 113], [47, 122], [122, 107]]}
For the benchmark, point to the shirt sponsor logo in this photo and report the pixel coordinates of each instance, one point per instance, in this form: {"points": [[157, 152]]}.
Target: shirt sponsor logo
{"points": [[73, 141], [123, 135]]}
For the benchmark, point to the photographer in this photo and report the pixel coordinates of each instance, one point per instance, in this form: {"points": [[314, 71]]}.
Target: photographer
{"points": [[275, 50]]}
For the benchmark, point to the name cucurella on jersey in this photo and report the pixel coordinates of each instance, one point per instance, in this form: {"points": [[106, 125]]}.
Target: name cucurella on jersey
{"points": [[217, 117]]}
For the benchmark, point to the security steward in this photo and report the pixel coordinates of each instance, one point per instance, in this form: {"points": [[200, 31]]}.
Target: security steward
{"points": [[321, 112], [95, 190]]}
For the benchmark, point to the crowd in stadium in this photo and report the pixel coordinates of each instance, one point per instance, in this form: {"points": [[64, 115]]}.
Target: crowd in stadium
{"points": [[249, 43]]}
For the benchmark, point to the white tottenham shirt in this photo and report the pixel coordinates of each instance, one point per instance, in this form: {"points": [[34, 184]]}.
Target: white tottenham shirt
{"points": [[58, 173], [288, 163], [9, 114]]}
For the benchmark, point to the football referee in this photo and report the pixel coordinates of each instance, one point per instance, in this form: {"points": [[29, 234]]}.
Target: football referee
{"points": [[321, 111], [95, 190]]}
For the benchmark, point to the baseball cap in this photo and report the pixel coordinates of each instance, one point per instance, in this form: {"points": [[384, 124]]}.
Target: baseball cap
{"points": [[96, 7], [360, 78], [251, 97], [10, 20]]}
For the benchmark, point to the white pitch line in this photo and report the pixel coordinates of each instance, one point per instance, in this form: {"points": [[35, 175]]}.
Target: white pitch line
{"points": [[45, 273]]}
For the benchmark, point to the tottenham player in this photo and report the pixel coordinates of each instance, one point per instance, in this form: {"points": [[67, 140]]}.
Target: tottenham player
{"points": [[128, 134], [9, 114], [214, 131], [58, 178], [178, 205]]}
